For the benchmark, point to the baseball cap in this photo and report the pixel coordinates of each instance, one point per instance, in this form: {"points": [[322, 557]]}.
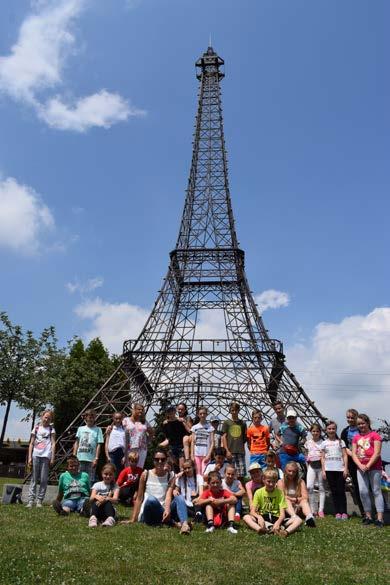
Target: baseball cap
{"points": [[291, 412]]}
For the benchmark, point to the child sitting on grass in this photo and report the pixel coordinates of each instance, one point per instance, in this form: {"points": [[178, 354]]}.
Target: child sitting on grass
{"points": [[295, 492], [255, 482], [268, 509], [219, 463], [103, 495], [128, 480], [73, 490], [271, 460], [233, 485], [219, 505]]}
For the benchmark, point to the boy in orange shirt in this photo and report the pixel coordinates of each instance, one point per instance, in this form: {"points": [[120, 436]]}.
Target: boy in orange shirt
{"points": [[258, 437]]}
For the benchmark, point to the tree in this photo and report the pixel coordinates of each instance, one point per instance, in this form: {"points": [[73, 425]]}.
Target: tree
{"points": [[43, 370], [12, 363], [85, 370]]}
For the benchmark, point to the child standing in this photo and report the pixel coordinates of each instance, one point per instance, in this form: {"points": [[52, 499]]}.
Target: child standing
{"points": [[268, 509], [314, 471], [219, 505], [41, 451], [258, 438], [103, 495], [334, 464], [296, 495], [234, 439], [115, 442], [202, 443], [73, 490], [366, 452], [233, 485], [89, 439]]}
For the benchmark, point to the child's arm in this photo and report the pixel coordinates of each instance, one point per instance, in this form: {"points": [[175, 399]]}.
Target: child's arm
{"points": [[231, 500], [115, 496], [76, 446], [53, 447], [279, 521], [375, 455], [140, 497], [193, 443], [97, 454], [225, 446], [304, 493], [122, 476], [108, 432], [201, 501], [168, 500], [30, 449], [345, 459], [323, 464], [210, 451], [249, 494], [241, 491], [164, 443]]}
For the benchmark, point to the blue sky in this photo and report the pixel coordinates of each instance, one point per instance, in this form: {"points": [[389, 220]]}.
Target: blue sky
{"points": [[97, 105]]}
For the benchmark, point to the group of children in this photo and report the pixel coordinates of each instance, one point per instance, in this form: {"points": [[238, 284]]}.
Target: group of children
{"points": [[199, 471]]}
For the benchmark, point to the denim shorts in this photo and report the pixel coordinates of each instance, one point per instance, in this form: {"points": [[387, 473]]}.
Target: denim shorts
{"points": [[75, 505]]}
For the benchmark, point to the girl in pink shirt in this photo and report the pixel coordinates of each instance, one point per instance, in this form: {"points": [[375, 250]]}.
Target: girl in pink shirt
{"points": [[366, 453]]}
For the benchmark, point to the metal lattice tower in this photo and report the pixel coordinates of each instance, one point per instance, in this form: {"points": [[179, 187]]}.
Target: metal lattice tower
{"points": [[205, 289]]}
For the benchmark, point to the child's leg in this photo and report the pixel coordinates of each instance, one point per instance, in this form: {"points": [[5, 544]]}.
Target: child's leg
{"points": [[352, 469], [256, 525], [332, 483], [310, 480], [230, 512], [141, 457], [86, 467], [179, 509], [107, 511], [127, 492], [341, 497], [239, 506], [321, 490], [44, 477], [34, 480], [200, 467], [375, 481], [306, 509], [209, 511], [293, 524]]}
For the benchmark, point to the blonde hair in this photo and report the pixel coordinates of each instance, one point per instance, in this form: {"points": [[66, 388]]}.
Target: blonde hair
{"points": [[271, 474], [295, 482]]}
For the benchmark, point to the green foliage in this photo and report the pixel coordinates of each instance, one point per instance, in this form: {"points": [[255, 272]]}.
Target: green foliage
{"points": [[84, 372], [60, 550]]}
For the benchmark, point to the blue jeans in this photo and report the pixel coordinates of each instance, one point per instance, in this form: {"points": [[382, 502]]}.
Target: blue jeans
{"points": [[258, 458], [179, 509], [40, 474], [153, 511], [116, 459], [239, 506], [285, 458], [75, 505]]}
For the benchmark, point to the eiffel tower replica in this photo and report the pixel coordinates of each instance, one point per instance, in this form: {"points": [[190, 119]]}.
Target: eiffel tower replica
{"points": [[174, 359]]}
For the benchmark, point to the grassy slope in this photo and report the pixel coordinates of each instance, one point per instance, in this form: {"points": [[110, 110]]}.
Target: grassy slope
{"points": [[37, 546]]}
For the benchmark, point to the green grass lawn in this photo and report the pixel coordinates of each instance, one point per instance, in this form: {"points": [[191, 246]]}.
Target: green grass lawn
{"points": [[37, 546]]}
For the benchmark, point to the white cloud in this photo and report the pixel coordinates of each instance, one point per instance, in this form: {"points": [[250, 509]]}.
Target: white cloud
{"points": [[112, 322], [36, 63], [24, 218], [102, 109], [37, 59], [272, 299], [86, 287], [347, 365]]}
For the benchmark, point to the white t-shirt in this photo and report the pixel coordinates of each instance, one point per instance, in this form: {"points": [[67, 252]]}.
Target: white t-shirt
{"points": [[211, 467], [234, 487], [138, 433], [333, 454], [202, 435], [187, 488], [42, 442], [116, 439], [103, 489]]}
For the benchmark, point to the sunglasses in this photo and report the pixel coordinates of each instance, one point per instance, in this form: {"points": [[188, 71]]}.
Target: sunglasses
{"points": [[158, 460]]}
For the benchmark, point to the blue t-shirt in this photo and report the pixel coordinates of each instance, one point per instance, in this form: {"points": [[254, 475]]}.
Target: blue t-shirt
{"points": [[292, 435], [89, 438]]}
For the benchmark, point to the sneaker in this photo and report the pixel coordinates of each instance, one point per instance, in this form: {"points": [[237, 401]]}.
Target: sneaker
{"points": [[338, 516], [86, 509], [344, 516], [92, 523], [237, 517], [39, 505], [379, 523], [232, 530], [310, 522], [109, 522], [321, 515], [59, 509], [30, 505], [367, 521], [198, 517], [210, 529]]}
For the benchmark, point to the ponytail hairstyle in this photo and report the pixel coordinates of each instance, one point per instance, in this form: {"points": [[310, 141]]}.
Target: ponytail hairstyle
{"points": [[366, 419]]}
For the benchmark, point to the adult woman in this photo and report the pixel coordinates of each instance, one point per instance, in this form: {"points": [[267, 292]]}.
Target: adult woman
{"points": [[154, 505], [138, 432], [366, 453]]}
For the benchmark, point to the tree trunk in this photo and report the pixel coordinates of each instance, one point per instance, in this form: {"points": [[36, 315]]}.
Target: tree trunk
{"points": [[7, 409], [33, 417]]}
